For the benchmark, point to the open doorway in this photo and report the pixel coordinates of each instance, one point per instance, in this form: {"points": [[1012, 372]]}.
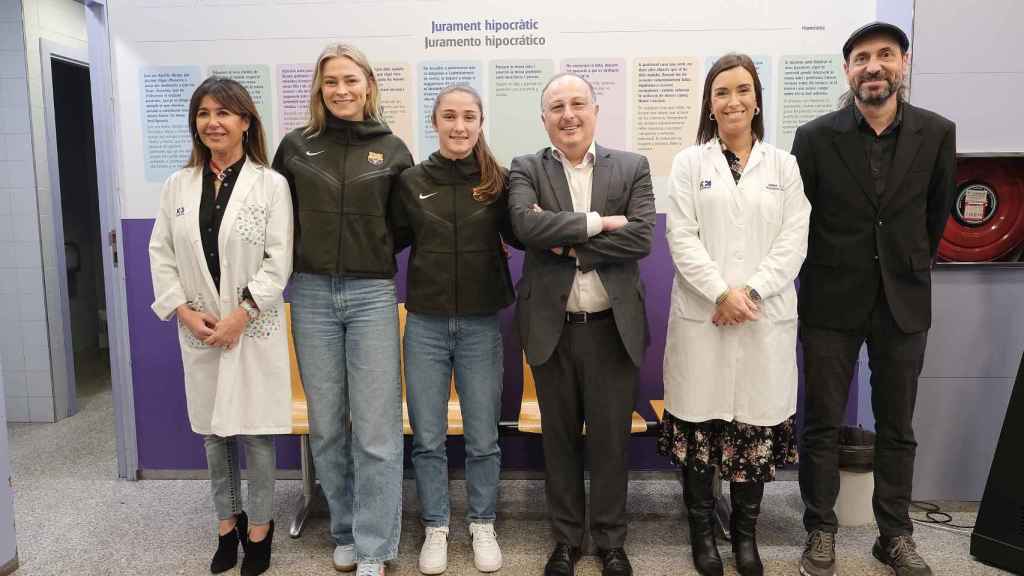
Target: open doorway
{"points": [[80, 218]]}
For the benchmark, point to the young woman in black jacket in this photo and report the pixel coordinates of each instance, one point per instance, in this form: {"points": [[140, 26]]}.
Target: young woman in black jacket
{"points": [[343, 170], [456, 206]]}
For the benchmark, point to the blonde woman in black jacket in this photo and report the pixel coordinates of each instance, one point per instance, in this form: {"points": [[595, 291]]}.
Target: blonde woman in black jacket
{"points": [[343, 170], [456, 207]]}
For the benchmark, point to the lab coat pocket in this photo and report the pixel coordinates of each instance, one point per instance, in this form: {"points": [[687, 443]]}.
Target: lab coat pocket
{"points": [[690, 305], [781, 307], [770, 206]]}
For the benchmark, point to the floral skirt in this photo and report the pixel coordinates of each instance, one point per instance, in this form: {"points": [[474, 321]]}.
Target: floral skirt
{"points": [[741, 452]]}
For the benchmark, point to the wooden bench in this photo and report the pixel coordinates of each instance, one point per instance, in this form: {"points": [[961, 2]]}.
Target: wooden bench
{"points": [[529, 409], [300, 422], [529, 421]]}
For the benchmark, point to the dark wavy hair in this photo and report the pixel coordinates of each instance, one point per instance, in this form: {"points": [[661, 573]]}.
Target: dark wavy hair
{"points": [[233, 96], [708, 127]]}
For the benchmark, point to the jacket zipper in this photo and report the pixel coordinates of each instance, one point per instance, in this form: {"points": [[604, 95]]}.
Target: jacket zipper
{"points": [[339, 261], [455, 239]]}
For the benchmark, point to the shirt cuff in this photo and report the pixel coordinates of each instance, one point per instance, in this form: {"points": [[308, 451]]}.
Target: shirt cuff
{"points": [[594, 224]]}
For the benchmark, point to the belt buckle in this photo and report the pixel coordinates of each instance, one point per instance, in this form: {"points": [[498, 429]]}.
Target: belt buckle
{"points": [[576, 317]]}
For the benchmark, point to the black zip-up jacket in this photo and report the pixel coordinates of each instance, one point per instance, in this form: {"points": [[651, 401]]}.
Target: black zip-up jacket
{"points": [[457, 265], [344, 185]]}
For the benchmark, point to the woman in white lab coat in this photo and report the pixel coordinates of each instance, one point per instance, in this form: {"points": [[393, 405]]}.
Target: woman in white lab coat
{"points": [[220, 255], [737, 231]]}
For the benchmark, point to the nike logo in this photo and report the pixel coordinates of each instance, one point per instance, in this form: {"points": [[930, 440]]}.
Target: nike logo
{"points": [[425, 196], [308, 153]]}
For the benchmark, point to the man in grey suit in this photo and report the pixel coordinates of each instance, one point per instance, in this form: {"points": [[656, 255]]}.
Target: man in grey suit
{"points": [[586, 216]]}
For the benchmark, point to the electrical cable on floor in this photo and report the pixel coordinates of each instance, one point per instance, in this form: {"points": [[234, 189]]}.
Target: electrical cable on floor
{"points": [[936, 518]]}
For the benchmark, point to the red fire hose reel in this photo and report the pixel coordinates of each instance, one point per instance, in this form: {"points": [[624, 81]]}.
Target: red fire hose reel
{"points": [[987, 219]]}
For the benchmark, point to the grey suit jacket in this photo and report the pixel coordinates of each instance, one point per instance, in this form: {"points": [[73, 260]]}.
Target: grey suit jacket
{"points": [[621, 186]]}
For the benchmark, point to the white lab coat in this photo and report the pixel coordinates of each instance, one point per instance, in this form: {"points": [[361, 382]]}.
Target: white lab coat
{"points": [[722, 234], [245, 390]]}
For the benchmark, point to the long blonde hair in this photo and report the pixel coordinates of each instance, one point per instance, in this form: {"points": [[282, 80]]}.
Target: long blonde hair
{"points": [[317, 108]]}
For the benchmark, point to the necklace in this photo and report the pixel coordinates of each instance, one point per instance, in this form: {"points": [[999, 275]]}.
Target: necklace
{"points": [[220, 173]]}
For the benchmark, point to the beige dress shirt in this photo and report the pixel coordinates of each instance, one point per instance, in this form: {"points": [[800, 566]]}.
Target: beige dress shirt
{"points": [[588, 293]]}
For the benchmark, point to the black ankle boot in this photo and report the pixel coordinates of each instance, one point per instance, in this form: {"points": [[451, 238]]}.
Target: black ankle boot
{"points": [[226, 556], [746, 506], [699, 495], [257, 555]]}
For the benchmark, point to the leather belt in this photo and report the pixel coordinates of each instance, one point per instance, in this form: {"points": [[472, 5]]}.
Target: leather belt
{"points": [[585, 317]]}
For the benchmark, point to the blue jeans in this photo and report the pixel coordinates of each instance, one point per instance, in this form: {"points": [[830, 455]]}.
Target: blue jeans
{"points": [[471, 345], [346, 340], [226, 477]]}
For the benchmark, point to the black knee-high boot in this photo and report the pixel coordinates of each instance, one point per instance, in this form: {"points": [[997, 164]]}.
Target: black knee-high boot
{"points": [[699, 495], [746, 506]]}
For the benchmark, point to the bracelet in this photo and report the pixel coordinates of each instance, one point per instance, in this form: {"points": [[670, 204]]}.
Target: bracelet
{"points": [[721, 297]]}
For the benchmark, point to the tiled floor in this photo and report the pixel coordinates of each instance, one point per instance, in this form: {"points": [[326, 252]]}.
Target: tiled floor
{"points": [[74, 517]]}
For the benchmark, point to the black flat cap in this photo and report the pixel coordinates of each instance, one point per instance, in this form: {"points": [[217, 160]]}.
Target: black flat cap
{"points": [[875, 28]]}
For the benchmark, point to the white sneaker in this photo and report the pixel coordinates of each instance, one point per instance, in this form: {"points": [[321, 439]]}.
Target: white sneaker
{"points": [[486, 552], [345, 558], [434, 553], [371, 569]]}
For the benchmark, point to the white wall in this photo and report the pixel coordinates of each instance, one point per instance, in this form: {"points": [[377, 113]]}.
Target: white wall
{"points": [[23, 341], [34, 351]]}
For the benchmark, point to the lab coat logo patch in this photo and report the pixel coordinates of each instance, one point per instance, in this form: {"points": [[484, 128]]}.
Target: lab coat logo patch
{"points": [[375, 158], [705, 184]]}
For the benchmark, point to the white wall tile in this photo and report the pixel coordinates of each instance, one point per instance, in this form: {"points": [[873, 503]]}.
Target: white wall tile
{"points": [[8, 285], [5, 202], [13, 92], [40, 409], [6, 228], [17, 407], [13, 354], [23, 201], [11, 36], [30, 281], [8, 260], [32, 308], [17, 146], [14, 120], [12, 63], [18, 174], [38, 383], [27, 255], [37, 358], [15, 383], [34, 334], [26, 229]]}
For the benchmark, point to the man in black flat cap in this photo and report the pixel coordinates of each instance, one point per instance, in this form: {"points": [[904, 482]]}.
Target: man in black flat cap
{"points": [[880, 176]]}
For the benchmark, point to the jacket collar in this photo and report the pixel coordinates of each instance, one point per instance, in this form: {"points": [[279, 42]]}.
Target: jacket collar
{"points": [[446, 171], [600, 178], [851, 149]]}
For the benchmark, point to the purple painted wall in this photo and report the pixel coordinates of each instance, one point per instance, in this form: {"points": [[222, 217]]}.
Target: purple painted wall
{"points": [[165, 440]]}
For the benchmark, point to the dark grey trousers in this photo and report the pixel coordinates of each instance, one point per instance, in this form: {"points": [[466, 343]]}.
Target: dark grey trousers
{"points": [[589, 378]]}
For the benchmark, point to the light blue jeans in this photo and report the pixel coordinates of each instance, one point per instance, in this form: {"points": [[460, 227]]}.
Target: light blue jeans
{"points": [[226, 478], [471, 345], [346, 340]]}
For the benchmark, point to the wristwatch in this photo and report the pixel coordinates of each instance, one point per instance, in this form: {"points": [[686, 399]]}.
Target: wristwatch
{"points": [[250, 309], [753, 295]]}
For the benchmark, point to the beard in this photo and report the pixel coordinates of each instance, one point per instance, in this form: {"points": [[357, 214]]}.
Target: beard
{"points": [[864, 96]]}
